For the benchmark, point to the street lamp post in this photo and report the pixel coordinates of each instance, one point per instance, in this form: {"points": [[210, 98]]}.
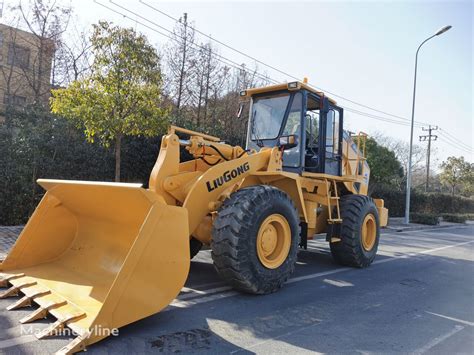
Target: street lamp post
{"points": [[407, 201]]}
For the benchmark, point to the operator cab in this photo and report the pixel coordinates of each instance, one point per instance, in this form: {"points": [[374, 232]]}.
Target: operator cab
{"points": [[305, 123]]}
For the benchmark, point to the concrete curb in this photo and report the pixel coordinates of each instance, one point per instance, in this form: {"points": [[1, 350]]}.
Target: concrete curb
{"points": [[417, 228]]}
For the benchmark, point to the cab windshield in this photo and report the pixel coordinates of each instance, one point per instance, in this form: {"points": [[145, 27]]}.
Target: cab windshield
{"points": [[267, 116]]}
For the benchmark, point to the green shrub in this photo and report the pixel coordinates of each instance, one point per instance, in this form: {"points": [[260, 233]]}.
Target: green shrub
{"points": [[37, 144], [424, 218], [469, 216], [430, 203], [454, 218]]}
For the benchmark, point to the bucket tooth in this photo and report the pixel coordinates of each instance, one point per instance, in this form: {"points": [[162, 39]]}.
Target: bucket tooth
{"points": [[58, 326], [26, 300], [15, 290], [41, 312], [4, 278], [78, 344]]}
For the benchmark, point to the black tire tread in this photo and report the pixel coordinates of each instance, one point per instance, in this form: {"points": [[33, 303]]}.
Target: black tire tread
{"points": [[348, 251], [231, 254]]}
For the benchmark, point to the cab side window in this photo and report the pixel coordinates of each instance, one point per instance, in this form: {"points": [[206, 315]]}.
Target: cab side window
{"points": [[332, 143], [312, 135], [291, 157]]}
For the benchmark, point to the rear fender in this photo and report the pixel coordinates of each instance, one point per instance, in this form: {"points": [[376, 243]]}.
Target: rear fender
{"points": [[288, 182]]}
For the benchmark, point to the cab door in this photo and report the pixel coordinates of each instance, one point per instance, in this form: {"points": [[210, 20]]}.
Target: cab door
{"points": [[333, 141]]}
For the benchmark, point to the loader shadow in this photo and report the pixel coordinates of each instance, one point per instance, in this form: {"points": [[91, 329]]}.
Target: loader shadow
{"points": [[178, 330]]}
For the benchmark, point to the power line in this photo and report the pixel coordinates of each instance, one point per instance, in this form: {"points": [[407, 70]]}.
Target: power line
{"points": [[217, 41], [222, 58], [454, 145], [237, 66], [274, 68], [452, 142], [417, 123], [232, 63], [379, 118], [455, 139]]}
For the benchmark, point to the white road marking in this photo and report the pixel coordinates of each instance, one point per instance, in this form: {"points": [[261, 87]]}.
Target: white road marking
{"points": [[315, 250], [404, 256], [184, 304], [438, 340], [471, 324], [197, 293], [210, 284], [319, 274], [396, 257], [338, 283], [431, 230], [420, 238], [17, 341], [444, 247]]}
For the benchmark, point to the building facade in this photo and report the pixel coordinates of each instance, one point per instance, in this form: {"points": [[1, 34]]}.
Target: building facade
{"points": [[25, 68]]}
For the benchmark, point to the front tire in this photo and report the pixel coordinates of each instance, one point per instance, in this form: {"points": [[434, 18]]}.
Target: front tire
{"points": [[255, 239], [360, 232]]}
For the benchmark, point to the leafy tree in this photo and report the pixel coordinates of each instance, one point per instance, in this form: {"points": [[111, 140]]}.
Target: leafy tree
{"points": [[385, 168], [457, 173], [121, 96]]}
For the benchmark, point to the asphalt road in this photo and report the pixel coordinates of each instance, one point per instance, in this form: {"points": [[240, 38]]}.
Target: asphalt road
{"points": [[417, 297]]}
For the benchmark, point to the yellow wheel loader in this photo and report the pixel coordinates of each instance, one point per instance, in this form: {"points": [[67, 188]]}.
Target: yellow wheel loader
{"points": [[98, 256]]}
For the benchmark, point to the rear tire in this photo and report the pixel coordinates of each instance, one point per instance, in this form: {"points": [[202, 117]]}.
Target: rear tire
{"points": [[360, 232], [255, 239]]}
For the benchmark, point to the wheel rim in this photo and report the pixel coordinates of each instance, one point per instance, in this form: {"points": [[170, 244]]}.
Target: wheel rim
{"points": [[273, 241], [369, 232]]}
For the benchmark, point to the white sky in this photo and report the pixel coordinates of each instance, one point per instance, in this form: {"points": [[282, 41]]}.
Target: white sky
{"points": [[362, 50]]}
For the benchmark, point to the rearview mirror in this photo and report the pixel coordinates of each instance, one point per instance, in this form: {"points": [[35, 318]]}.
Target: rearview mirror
{"points": [[288, 142]]}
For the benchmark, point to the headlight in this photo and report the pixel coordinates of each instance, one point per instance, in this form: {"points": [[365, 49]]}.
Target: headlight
{"points": [[293, 85]]}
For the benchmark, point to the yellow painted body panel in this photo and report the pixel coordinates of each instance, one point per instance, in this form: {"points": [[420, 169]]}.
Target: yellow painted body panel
{"points": [[277, 87], [383, 212]]}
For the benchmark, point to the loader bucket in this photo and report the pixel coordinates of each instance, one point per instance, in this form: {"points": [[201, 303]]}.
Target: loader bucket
{"points": [[97, 256]]}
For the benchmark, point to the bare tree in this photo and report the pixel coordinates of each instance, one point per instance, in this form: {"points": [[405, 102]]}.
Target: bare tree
{"points": [[180, 55], [203, 89], [402, 151], [209, 77], [73, 57], [47, 21]]}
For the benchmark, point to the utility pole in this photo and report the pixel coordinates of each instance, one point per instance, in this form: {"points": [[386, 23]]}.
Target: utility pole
{"points": [[428, 138]]}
